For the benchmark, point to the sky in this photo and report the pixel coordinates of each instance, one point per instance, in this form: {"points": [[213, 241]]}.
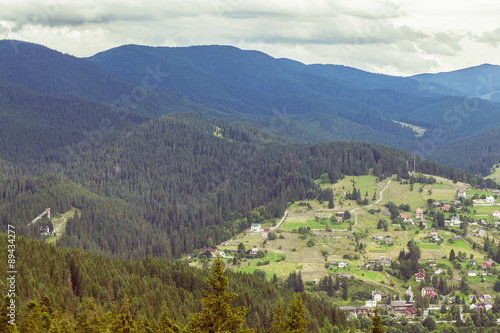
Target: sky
{"points": [[396, 37]]}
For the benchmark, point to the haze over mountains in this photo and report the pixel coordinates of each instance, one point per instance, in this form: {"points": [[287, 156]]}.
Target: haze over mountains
{"points": [[306, 103]]}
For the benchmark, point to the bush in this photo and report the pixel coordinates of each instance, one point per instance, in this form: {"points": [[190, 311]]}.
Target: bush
{"points": [[271, 235]]}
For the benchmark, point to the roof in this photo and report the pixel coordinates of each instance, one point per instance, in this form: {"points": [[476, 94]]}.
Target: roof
{"points": [[404, 216], [400, 303], [419, 210], [419, 275], [428, 288]]}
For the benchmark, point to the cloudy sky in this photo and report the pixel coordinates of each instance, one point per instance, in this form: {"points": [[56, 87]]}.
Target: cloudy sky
{"points": [[395, 37]]}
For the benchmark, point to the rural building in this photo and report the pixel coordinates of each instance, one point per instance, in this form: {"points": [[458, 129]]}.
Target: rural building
{"points": [[462, 193], [376, 296], [410, 294], [432, 263], [371, 304], [457, 237], [490, 199], [267, 229], [471, 272], [496, 213], [438, 271], [341, 264], [255, 227], [427, 290], [341, 214], [404, 216], [433, 232], [445, 208], [473, 262], [388, 240], [254, 251], [419, 277], [482, 233], [419, 213], [486, 264], [401, 305], [213, 251]]}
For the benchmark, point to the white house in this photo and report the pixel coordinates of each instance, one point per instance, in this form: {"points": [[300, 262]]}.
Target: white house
{"points": [[377, 296], [255, 227], [496, 213], [341, 264], [490, 199], [438, 271], [371, 304], [471, 272], [462, 193]]}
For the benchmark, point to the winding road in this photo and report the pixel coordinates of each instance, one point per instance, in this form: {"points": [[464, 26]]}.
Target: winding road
{"points": [[374, 203]]}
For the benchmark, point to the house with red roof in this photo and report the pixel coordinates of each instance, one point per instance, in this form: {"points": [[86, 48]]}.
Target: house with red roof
{"points": [[404, 216], [445, 208], [419, 277], [486, 264], [496, 213]]}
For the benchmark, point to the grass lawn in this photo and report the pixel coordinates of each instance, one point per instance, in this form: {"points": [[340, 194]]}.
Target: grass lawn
{"points": [[488, 279], [429, 246]]}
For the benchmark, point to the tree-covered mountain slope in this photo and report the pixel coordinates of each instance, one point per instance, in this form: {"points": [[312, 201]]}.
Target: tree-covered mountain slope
{"points": [[32, 124]]}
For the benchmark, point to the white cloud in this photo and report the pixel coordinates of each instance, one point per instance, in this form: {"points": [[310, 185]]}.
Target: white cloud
{"points": [[396, 37]]}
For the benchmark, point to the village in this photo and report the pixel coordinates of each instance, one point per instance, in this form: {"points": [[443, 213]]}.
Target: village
{"points": [[360, 244]]}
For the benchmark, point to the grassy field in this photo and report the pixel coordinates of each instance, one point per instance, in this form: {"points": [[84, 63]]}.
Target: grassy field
{"points": [[59, 224], [495, 175]]}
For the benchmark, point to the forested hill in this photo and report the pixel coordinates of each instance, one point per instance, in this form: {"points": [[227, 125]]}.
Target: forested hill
{"points": [[33, 125], [180, 182], [476, 154], [68, 276]]}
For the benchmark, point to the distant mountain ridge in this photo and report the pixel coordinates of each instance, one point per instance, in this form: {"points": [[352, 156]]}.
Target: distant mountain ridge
{"points": [[309, 103], [480, 81]]}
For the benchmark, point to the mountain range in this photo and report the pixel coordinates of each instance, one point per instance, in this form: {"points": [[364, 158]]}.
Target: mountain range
{"points": [[306, 103]]}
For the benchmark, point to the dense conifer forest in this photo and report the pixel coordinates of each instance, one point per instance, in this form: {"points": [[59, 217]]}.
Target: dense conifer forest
{"points": [[62, 290]]}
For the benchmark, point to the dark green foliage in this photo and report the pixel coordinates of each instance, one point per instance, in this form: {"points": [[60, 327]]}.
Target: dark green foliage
{"points": [[217, 314], [377, 324], [69, 276]]}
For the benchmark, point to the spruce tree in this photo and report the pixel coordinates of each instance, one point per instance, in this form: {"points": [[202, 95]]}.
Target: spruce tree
{"points": [[278, 325], [124, 323], [217, 314], [296, 321], [167, 324], [377, 324]]}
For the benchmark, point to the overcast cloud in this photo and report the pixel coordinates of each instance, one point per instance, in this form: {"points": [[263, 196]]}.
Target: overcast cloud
{"points": [[394, 37]]}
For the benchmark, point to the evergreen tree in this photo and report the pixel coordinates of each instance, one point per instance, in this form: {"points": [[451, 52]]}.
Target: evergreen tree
{"points": [[452, 255], [299, 284], [345, 290], [377, 324], [278, 325], [124, 323], [217, 314], [166, 324], [296, 321]]}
